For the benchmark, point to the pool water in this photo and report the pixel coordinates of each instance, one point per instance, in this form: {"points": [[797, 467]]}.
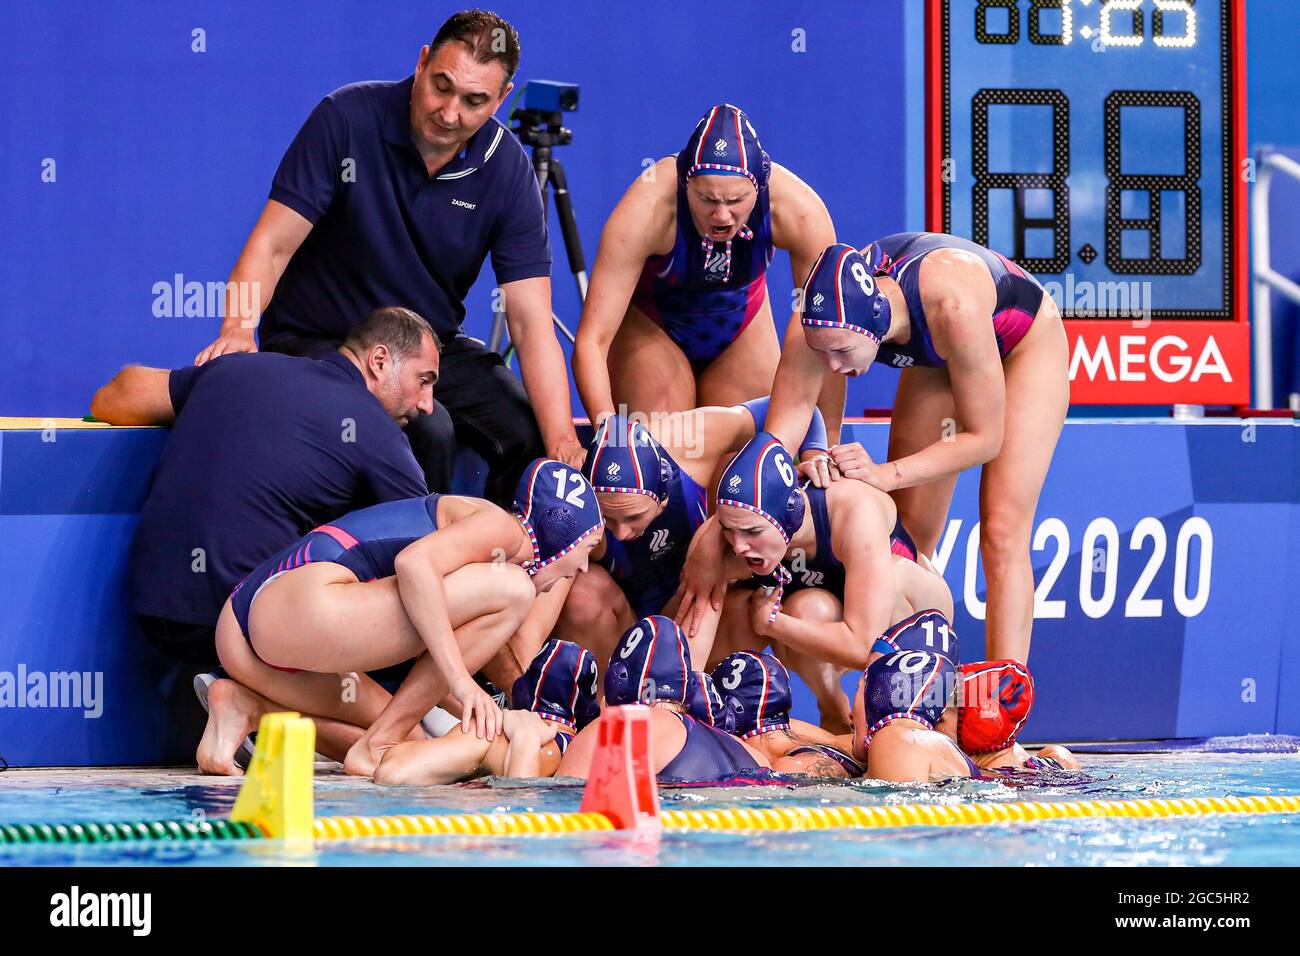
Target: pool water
{"points": [[1240, 840]]}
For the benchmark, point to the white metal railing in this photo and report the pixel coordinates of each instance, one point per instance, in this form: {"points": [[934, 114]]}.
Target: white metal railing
{"points": [[1264, 279]]}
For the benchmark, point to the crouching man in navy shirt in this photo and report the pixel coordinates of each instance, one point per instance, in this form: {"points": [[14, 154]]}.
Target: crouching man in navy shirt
{"points": [[394, 193], [264, 448]]}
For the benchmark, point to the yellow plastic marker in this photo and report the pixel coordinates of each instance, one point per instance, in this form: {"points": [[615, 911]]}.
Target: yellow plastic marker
{"points": [[277, 793]]}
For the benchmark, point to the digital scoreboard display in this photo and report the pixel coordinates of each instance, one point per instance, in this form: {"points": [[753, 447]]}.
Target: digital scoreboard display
{"points": [[1100, 144]]}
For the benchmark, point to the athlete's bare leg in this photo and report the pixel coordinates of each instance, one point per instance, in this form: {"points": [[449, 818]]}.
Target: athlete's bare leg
{"points": [[647, 371], [746, 367], [595, 615], [1038, 396], [320, 619], [923, 409], [823, 679], [479, 638]]}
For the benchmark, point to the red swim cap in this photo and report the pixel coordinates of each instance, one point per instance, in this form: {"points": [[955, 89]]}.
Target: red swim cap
{"points": [[993, 703]]}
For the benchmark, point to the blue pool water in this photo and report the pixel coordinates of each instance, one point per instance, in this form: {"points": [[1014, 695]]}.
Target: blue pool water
{"points": [[1264, 840]]}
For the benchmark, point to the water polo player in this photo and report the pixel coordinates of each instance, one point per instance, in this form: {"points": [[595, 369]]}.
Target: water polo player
{"points": [[900, 702], [549, 703], [993, 704], [651, 666], [678, 314], [984, 382], [833, 549], [444, 579], [756, 704], [650, 481]]}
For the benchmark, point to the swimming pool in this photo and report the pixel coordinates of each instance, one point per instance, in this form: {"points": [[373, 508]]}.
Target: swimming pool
{"points": [[62, 796]]}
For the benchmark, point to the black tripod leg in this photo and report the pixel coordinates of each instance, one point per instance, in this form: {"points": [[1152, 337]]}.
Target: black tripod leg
{"points": [[569, 227]]}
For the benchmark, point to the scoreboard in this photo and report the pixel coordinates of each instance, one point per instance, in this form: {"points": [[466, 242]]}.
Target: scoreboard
{"points": [[1101, 144]]}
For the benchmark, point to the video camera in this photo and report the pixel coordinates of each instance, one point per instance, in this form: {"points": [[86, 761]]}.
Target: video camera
{"points": [[540, 113]]}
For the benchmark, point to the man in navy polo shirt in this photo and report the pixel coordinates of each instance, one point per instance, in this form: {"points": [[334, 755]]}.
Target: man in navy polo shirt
{"points": [[264, 448], [394, 194]]}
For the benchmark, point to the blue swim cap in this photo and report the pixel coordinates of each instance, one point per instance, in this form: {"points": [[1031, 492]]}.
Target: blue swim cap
{"points": [[624, 457], [724, 144], [705, 703], [912, 685], [841, 293], [761, 478], [924, 631], [560, 685], [557, 508], [756, 689], [651, 662]]}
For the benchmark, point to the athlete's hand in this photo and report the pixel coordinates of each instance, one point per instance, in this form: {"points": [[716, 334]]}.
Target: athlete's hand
{"points": [[570, 451], [819, 469], [521, 725], [764, 606], [227, 343], [477, 709], [704, 583], [853, 462]]}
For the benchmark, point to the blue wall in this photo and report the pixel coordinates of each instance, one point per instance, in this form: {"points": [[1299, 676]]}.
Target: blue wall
{"points": [[164, 156]]}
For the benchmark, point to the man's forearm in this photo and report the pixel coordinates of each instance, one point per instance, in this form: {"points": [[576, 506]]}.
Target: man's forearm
{"points": [[546, 380], [251, 284]]}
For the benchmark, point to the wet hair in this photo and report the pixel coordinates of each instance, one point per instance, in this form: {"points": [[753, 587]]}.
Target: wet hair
{"points": [[488, 36], [402, 330]]}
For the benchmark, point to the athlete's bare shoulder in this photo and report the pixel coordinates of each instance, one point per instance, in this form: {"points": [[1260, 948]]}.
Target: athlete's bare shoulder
{"points": [[798, 213], [950, 273], [647, 213], [849, 495]]}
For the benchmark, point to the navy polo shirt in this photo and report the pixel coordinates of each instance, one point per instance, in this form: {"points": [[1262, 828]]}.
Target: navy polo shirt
{"points": [[265, 447], [386, 234]]}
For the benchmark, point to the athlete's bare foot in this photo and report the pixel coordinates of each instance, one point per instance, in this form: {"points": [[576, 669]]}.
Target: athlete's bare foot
{"points": [[233, 713], [363, 757]]}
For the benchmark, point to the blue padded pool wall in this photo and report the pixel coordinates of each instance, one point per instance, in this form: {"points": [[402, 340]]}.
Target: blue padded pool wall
{"points": [[1166, 561]]}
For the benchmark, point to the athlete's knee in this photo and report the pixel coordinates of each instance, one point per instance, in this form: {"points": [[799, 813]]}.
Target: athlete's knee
{"points": [[233, 650], [814, 604], [512, 590], [1004, 534], [590, 601]]}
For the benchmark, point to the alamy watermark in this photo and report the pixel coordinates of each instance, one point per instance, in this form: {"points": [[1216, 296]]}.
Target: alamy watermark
{"points": [[1102, 300], [57, 690], [684, 430], [191, 299]]}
